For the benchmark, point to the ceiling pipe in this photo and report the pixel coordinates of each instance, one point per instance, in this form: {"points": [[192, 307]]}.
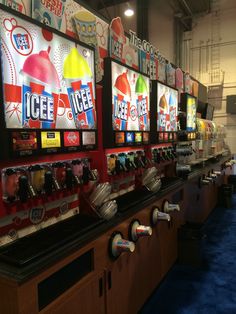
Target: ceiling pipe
{"points": [[142, 19], [187, 7], [105, 7], [108, 3], [179, 15]]}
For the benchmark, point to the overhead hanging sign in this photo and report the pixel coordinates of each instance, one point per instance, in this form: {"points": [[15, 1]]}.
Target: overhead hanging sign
{"points": [[149, 57], [117, 39], [142, 44]]}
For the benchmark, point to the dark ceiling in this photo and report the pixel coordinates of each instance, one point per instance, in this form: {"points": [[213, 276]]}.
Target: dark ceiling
{"points": [[184, 10], [193, 7], [190, 7], [102, 4]]}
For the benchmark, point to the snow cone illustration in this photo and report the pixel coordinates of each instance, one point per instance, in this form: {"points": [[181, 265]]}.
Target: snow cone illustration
{"points": [[85, 23], [49, 12], [173, 112], [141, 91], [78, 77], [121, 102], [117, 38], [40, 91], [162, 113]]}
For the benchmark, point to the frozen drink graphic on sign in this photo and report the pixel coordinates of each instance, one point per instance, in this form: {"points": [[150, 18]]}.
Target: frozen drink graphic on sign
{"points": [[167, 105], [141, 92], [162, 110], [40, 91], [49, 12], [122, 103], [85, 23], [117, 38], [173, 112], [46, 76], [78, 77]]}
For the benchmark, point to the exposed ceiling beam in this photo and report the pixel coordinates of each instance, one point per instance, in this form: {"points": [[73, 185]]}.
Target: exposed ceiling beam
{"points": [[186, 6], [109, 3], [180, 15]]}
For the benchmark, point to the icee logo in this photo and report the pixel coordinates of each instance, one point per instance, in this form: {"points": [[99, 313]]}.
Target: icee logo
{"points": [[21, 41], [39, 107]]}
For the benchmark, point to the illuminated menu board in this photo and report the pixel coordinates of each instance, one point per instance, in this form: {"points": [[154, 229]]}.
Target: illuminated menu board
{"points": [[191, 113], [48, 80], [126, 105], [130, 99], [167, 108]]}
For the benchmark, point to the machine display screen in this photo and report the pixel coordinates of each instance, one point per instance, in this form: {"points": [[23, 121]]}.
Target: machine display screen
{"points": [[130, 137], [130, 99], [167, 108], [48, 80], [191, 113]]}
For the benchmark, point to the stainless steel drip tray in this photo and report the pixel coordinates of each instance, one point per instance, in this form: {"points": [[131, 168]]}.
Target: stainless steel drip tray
{"points": [[26, 250]]}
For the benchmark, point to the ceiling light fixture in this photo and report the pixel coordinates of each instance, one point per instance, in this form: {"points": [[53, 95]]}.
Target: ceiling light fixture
{"points": [[129, 12]]}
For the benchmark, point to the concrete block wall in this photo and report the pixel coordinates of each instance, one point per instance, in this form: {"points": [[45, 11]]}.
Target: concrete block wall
{"points": [[202, 44]]}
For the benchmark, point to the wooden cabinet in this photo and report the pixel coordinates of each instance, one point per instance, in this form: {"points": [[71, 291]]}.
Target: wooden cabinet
{"points": [[86, 297], [75, 284], [121, 279], [107, 286], [133, 276], [168, 245]]}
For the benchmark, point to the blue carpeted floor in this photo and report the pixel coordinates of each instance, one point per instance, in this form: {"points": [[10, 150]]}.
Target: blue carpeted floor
{"points": [[210, 289]]}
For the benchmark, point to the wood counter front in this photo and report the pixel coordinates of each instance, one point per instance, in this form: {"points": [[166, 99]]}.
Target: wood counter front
{"points": [[121, 285]]}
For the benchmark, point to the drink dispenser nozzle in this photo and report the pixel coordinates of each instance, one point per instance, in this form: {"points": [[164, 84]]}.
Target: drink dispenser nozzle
{"points": [[208, 178], [139, 155], [218, 173], [36, 178], [212, 175], [162, 157], [203, 181], [112, 164], [136, 230], [131, 157], [59, 175], [155, 155], [158, 215], [128, 164], [117, 245], [138, 163], [23, 188], [168, 207], [122, 159], [118, 167], [166, 150], [86, 174], [69, 178], [48, 182], [77, 169], [11, 185]]}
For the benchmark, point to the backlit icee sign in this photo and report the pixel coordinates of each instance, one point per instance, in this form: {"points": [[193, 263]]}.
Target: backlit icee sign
{"points": [[48, 80]]}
